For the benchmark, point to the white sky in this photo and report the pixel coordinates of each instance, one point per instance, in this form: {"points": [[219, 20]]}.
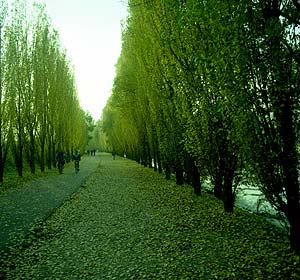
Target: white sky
{"points": [[90, 30]]}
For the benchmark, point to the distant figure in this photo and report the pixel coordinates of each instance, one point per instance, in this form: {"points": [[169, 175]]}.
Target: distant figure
{"points": [[76, 158], [114, 154], [94, 152], [60, 157]]}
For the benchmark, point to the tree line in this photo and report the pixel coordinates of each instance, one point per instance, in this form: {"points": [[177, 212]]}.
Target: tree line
{"points": [[209, 90], [39, 108]]}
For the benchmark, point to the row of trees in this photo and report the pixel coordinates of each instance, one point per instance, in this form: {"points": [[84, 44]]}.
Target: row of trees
{"points": [[39, 108], [211, 89]]}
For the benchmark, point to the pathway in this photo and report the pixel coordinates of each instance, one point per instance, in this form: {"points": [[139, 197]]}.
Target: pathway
{"points": [[128, 222], [22, 207]]}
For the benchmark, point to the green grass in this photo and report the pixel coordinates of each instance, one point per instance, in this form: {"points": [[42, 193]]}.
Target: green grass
{"points": [[13, 180]]}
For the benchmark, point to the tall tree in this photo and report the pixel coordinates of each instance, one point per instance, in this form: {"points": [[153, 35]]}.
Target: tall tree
{"points": [[272, 69], [41, 47], [4, 130], [218, 82], [17, 79]]}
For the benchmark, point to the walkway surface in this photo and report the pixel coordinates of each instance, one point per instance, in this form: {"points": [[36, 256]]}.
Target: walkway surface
{"points": [[24, 206], [128, 222]]}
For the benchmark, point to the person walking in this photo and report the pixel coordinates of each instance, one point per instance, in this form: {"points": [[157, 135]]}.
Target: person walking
{"points": [[76, 158], [60, 157]]}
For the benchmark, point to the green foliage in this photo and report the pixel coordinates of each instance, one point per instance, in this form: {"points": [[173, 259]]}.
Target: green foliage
{"points": [[39, 108], [216, 82]]}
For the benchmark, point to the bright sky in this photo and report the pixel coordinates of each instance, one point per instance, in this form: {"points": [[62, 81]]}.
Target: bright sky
{"points": [[90, 30]]}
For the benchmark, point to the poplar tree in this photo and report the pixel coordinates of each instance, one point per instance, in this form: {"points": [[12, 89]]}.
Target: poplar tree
{"points": [[17, 82], [4, 130], [271, 49], [214, 83]]}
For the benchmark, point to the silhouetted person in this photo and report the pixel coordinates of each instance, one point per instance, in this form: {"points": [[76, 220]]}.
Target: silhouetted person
{"points": [[76, 158], [60, 157]]}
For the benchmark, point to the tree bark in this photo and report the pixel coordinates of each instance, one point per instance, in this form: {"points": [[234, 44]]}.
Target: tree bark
{"points": [[42, 157], [228, 197], [192, 174], [290, 171], [168, 172], [218, 180], [159, 163], [196, 180], [179, 175], [49, 154]]}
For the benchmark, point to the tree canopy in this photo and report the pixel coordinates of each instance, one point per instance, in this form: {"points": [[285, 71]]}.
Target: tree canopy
{"points": [[39, 108], [211, 89]]}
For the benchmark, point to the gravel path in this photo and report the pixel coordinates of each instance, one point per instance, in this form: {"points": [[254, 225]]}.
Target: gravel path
{"points": [[24, 206], [128, 222]]}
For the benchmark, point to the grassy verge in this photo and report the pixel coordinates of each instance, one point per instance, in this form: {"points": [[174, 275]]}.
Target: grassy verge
{"points": [[12, 180]]}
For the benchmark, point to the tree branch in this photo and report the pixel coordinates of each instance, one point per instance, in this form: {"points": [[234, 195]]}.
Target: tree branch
{"points": [[297, 5]]}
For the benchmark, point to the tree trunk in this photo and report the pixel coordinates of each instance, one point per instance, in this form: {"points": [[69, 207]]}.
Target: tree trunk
{"points": [[188, 169], [155, 162], [53, 155], [290, 172], [148, 154], [31, 156], [2, 163], [144, 153], [3, 156], [32, 161], [42, 157], [283, 101], [168, 172], [155, 156], [179, 175], [293, 218], [20, 145], [17, 153], [159, 163], [2, 160], [19, 166], [195, 176], [49, 161], [218, 181], [229, 196]]}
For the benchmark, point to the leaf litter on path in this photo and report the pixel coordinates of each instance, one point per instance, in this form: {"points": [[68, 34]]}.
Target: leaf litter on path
{"points": [[130, 223]]}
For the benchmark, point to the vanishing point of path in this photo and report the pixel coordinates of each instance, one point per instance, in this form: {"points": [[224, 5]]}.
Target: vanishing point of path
{"points": [[128, 222]]}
